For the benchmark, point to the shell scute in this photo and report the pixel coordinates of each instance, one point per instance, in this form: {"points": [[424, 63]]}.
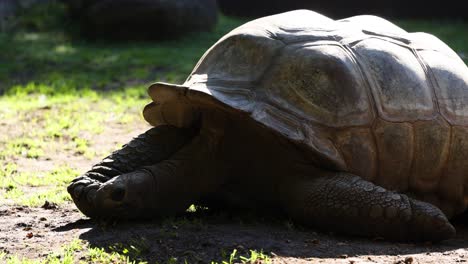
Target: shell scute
{"points": [[431, 144], [395, 152], [451, 85], [453, 183], [401, 88], [238, 57], [320, 82], [359, 151]]}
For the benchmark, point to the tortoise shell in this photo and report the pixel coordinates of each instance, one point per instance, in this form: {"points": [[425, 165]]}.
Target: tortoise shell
{"points": [[364, 95]]}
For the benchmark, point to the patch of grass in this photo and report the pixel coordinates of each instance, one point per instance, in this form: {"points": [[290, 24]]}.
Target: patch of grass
{"points": [[254, 257], [34, 188], [77, 251], [99, 255], [13, 193], [131, 252], [54, 194], [70, 120], [74, 252], [59, 176], [134, 249], [6, 176], [26, 147]]}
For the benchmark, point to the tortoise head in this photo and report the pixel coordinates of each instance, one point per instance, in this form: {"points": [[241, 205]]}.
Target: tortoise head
{"points": [[170, 106]]}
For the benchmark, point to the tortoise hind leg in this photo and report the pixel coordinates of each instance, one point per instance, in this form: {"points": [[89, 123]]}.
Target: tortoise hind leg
{"points": [[151, 147], [347, 203]]}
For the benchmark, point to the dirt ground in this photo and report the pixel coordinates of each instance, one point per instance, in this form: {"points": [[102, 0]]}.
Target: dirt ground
{"points": [[203, 237]]}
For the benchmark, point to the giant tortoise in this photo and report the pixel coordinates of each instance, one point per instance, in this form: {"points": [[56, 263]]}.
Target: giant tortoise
{"points": [[353, 125]]}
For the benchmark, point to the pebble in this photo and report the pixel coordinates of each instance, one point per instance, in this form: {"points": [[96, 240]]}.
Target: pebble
{"points": [[409, 260]]}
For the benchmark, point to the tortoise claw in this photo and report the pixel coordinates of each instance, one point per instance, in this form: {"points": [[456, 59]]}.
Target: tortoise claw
{"points": [[78, 190], [83, 191]]}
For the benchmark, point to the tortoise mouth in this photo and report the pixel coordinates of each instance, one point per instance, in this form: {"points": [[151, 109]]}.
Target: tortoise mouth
{"points": [[179, 106], [180, 114]]}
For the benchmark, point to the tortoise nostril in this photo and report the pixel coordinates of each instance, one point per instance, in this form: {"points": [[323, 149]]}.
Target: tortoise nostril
{"points": [[118, 194]]}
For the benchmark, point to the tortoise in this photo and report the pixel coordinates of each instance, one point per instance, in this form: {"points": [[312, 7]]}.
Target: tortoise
{"points": [[351, 125]]}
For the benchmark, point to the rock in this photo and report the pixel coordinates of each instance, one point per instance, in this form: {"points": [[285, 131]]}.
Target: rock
{"points": [[49, 205], [14, 12], [143, 19], [30, 3], [8, 9]]}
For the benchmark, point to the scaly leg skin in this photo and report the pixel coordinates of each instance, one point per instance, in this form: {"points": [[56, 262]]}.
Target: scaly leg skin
{"points": [[346, 203], [167, 187], [154, 145]]}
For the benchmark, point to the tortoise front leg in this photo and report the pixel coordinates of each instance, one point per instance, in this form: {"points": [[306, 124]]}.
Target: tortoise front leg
{"points": [[169, 186], [347, 203], [153, 146], [166, 188]]}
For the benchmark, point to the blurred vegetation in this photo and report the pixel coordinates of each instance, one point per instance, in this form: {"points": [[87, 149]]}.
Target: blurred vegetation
{"points": [[41, 16]]}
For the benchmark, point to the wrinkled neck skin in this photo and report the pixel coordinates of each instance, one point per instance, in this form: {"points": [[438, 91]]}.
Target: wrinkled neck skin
{"points": [[255, 163]]}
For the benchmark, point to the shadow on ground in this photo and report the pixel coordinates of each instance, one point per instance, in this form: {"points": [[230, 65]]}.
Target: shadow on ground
{"points": [[213, 237]]}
